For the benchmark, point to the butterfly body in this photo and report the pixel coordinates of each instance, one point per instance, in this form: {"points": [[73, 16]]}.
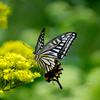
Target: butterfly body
{"points": [[46, 55]]}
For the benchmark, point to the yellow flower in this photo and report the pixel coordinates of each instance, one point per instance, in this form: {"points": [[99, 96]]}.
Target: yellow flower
{"points": [[4, 12], [1, 91], [6, 76], [14, 65], [15, 47], [14, 71], [36, 74], [6, 70]]}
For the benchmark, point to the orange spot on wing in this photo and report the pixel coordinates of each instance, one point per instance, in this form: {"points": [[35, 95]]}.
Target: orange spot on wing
{"points": [[58, 63], [59, 72], [46, 78]]}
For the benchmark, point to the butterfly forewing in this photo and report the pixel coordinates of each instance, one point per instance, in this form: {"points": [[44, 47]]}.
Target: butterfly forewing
{"points": [[40, 42], [58, 47]]}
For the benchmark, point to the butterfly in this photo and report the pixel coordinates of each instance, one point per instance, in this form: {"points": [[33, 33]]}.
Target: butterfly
{"points": [[46, 55]]}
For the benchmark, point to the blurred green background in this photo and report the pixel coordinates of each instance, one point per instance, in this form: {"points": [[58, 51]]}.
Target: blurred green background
{"points": [[81, 75]]}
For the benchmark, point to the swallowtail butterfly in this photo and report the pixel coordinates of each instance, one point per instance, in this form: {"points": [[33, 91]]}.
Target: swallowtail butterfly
{"points": [[46, 55]]}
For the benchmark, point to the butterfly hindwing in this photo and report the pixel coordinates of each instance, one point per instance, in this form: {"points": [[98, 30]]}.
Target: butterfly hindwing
{"points": [[45, 63], [54, 73]]}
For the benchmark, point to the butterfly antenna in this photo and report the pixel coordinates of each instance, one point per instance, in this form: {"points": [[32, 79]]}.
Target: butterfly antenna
{"points": [[27, 46]]}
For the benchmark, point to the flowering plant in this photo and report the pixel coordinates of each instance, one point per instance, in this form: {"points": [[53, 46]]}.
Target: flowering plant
{"points": [[14, 68], [4, 12]]}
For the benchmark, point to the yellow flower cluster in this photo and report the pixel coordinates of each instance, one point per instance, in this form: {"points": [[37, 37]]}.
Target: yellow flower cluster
{"points": [[14, 67], [14, 71], [15, 47], [4, 12]]}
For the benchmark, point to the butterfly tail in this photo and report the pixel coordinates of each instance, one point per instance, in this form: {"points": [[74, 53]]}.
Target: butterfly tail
{"points": [[58, 83], [55, 73]]}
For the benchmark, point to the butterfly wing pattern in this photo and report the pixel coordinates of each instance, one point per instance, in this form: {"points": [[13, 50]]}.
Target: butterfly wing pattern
{"points": [[40, 42], [46, 55]]}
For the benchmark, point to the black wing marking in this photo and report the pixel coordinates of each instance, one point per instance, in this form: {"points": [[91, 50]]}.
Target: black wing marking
{"points": [[59, 46], [54, 74], [40, 42]]}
